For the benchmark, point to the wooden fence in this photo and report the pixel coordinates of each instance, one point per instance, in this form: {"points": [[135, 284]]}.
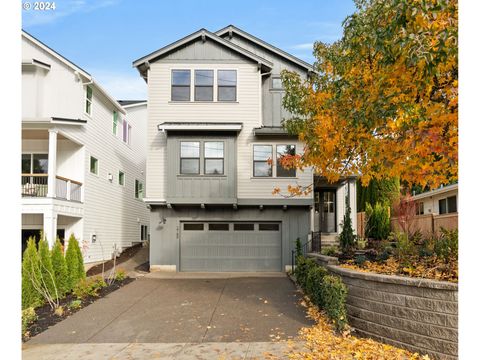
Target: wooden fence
{"points": [[426, 224]]}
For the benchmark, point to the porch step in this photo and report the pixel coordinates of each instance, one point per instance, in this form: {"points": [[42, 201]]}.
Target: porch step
{"points": [[329, 239]]}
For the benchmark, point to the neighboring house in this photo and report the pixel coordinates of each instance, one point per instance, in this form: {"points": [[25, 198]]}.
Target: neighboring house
{"points": [[434, 210], [83, 157], [214, 122]]}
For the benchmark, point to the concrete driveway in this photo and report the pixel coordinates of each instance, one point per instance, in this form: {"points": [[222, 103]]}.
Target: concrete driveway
{"points": [[185, 311]]}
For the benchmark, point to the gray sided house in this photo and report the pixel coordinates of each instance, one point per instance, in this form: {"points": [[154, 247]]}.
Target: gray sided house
{"points": [[214, 142]]}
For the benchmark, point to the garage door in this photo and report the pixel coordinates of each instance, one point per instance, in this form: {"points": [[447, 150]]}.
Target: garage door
{"points": [[233, 246]]}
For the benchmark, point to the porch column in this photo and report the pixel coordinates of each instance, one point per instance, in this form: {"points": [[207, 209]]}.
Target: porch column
{"points": [[50, 228], [52, 162]]}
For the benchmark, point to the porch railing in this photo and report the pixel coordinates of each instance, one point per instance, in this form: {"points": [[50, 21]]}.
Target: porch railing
{"points": [[36, 185], [313, 244], [68, 189]]}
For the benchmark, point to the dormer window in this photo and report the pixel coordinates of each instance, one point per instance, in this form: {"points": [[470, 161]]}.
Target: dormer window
{"points": [[180, 85], [203, 85], [227, 85]]}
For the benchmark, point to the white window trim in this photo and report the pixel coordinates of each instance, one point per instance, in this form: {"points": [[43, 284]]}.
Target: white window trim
{"points": [[274, 162], [85, 103], [97, 174], [124, 178]]}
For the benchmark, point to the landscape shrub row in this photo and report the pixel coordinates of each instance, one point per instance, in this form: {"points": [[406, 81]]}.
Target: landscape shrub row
{"points": [[326, 291]]}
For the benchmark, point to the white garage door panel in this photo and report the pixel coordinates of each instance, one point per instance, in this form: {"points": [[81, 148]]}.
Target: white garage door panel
{"points": [[208, 250]]}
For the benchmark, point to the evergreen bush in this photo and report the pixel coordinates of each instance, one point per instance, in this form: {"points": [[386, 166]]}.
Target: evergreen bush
{"points": [[333, 298], [59, 269], [347, 236], [378, 221], [313, 284], [71, 259], [30, 269], [47, 279]]}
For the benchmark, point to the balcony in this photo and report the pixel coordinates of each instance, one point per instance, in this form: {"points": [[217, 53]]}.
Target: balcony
{"points": [[36, 185]]}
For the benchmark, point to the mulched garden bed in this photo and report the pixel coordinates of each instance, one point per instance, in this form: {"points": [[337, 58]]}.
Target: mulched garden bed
{"points": [[47, 318], [107, 265]]}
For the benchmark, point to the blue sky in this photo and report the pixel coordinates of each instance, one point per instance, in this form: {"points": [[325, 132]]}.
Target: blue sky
{"points": [[105, 36]]}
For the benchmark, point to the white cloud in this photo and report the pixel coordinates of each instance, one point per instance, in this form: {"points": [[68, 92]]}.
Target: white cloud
{"points": [[304, 46], [121, 86], [63, 9]]}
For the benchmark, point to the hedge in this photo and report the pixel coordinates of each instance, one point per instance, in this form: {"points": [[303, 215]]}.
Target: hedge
{"points": [[328, 292]]}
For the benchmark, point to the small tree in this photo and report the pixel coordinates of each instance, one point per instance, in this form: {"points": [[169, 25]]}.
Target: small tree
{"points": [[46, 268], [71, 259], [347, 237], [59, 269], [405, 211], [378, 221], [30, 296]]}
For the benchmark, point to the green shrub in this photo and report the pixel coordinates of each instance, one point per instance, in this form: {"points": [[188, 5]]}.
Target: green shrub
{"points": [[28, 317], [74, 261], [405, 250], [446, 245], [46, 269], [120, 275], [333, 294], [59, 269], [378, 221], [347, 237], [360, 259], [302, 269], [313, 284], [88, 287], [298, 248], [330, 250], [75, 304], [30, 270]]}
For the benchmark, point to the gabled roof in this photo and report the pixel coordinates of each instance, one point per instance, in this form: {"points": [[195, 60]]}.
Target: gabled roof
{"points": [[142, 63], [71, 65], [265, 45]]}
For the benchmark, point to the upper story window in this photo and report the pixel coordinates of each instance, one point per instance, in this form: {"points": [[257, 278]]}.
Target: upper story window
{"points": [[88, 100], [190, 157], [93, 165], [138, 189], [285, 150], [203, 85], [262, 156], [127, 132], [214, 156], [34, 163], [277, 83], [115, 122], [448, 205], [180, 85], [227, 85], [121, 178]]}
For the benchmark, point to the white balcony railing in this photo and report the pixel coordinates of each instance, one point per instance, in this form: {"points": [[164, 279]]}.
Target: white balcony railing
{"points": [[36, 185]]}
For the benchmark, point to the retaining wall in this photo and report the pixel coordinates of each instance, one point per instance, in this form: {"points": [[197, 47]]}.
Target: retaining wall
{"points": [[419, 315]]}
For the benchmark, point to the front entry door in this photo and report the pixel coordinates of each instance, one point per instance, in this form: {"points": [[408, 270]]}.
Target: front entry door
{"points": [[327, 211]]}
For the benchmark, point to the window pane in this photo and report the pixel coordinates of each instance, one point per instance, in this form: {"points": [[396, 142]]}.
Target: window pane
{"points": [[227, 77], [262, 152], [213, 149], [194, 226], [204, 77], [121, 178], [26, 163], [40, 163], [189, 149], [285, 150], [268, 227], [277, 83], [181, 93], [93, 165], [181, 77], [218, 227], [89, 93], [189, 166], [214, 166], [227, 93], [442, 206], [203, 93], [262, 168], [88, 107], [452, 204], [243, 227]]}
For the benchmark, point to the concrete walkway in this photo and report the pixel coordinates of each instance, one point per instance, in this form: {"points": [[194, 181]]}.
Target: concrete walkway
{"points": [[122, 351]]}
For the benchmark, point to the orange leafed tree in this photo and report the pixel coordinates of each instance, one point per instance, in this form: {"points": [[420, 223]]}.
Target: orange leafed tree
{"points": [[383, 102]]}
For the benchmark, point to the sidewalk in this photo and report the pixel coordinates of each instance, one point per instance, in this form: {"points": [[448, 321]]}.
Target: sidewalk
{"points": [[167, 351]]}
